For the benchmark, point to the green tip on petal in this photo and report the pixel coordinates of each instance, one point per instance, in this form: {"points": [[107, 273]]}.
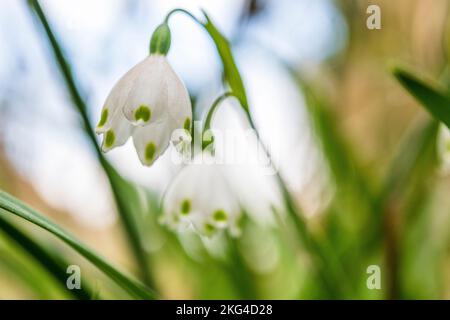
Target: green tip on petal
{"points": [[103, 118], [185, 207], [150, 152], [109, 138], [187, 124], [220, 216], [143, 113]]}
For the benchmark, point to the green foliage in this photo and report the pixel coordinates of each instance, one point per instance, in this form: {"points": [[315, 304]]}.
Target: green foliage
{"points": [[10, 205], [435, 100], [231, 72], [55, 265]]}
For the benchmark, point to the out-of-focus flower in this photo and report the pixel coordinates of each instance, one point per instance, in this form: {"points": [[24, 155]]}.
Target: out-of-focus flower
{"points": [[148, 103], [200, 197]]}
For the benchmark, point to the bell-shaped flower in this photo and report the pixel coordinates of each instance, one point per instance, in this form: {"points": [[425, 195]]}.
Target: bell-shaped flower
{"points": [[148, 103], [200, 197]]}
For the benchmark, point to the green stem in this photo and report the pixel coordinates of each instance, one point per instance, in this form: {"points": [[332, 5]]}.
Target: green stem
{"points": [[209, 116], [166, 20], [213, 109]]}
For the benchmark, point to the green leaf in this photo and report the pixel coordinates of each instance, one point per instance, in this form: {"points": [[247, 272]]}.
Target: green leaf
{"points": [[406, 188], [230, 69], [435, 100], [54, 264], [11, 205]]}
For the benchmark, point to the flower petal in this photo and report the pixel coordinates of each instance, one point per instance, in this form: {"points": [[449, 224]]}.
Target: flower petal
{"points": [[116, 100], [118, 132], [180, 109], [151, 141], [148, 98]]}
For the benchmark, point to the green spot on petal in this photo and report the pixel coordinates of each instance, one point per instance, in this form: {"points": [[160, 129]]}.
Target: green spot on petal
{"points": [[150, 151], [220, 216], [143, 113], [187, 124], [109, 138], [209, 228], [103, 118], [185, 207]]}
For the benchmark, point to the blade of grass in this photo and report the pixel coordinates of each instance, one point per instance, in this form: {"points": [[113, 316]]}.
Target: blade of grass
{"points": [[16, 269], [353, 207], [340, 159], [433, 98], [54, 264], [231, 72], [11, 205], [120, 188], [417, 153], [240, 273], [415, 160], [417, 149]]}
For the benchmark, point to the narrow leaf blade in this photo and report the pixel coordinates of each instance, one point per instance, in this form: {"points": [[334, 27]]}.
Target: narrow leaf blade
{"points": [[230, 69], [54, 264], [11, 205], [435, 100]]}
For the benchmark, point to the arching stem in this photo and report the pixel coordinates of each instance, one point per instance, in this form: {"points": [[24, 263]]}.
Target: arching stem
{"points": [[166, 20]]}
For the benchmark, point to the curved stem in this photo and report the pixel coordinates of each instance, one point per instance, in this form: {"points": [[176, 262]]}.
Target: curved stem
{"points": [[210, 115], [213, 108], [166, 20]]}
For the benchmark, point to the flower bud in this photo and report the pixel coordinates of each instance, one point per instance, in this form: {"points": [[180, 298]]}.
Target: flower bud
{"points": [[160, 42]]}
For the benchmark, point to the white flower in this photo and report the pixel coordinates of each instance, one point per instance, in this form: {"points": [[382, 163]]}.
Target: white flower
{"points": [[200, 197], [148, 103]]}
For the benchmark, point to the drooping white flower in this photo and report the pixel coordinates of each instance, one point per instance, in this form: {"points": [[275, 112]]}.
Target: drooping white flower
{"points": [[148, 103], [200, 197]]}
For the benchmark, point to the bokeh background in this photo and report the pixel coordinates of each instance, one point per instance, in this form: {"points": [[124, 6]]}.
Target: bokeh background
{"points": [[335, 151]]}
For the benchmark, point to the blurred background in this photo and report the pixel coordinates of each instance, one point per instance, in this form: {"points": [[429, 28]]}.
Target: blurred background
{"points": [[323, 97]]}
